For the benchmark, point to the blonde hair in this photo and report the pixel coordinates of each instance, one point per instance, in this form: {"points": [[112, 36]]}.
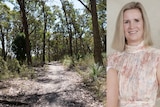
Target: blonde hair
{"points": [[119, 38]]}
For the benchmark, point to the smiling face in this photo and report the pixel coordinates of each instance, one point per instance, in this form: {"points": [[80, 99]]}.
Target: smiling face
{"points": [[133, 26]]}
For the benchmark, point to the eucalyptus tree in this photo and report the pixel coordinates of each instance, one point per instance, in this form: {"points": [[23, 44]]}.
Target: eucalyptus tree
{"points": [[92, 8], [76, 32], [97, 39], [102, 20], [67, 9], [76, 27], [59, 40], [34, 21], [47, 19], [22, 6], [48, 28], [4, 28], [44, 29], [84, 33]]}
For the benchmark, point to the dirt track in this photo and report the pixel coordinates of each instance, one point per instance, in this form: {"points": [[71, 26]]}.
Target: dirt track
{"points": [[55, 87]]}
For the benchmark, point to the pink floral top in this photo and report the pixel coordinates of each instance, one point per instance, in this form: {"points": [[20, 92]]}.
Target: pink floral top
{"points": [[137, 67]]}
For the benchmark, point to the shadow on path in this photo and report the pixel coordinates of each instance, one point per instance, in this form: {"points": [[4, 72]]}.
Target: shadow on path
{"points": [[53, 87], [35, 99]]}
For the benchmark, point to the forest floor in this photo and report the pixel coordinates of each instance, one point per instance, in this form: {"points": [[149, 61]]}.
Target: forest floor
{"points": [[54, 86]]}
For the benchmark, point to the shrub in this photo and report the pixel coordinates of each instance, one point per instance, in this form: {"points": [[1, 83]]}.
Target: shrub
{"points": [[3, 66], [3, 69], [68, 62], [36, 62], [12, 69], [26, 72], [95, 71], [13, 65], [94, 76]]}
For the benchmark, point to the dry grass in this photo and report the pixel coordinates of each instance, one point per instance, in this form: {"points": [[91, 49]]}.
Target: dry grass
{"points": [[94, 77]]}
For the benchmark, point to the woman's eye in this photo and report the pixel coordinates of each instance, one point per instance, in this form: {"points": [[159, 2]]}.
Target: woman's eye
{"points": [[125, 22], [136, 20]]}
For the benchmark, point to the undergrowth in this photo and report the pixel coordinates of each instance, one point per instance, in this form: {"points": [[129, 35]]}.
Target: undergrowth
{"points": [[93, 75], [12, 69]]}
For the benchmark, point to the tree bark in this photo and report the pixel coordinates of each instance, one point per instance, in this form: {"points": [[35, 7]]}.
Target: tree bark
{"points": [[44, 32], [3, 44], [69, 29], [25, 28], [97, 39]]}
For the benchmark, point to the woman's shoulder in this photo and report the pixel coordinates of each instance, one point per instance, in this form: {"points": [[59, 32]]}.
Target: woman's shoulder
{"points": [[154, 50], [115, 54]]}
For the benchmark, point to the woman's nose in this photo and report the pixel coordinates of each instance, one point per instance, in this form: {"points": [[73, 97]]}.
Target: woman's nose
{"points": [[131, 25]]}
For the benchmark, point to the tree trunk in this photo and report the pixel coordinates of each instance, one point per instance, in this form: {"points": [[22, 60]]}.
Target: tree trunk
{"points": [[3, 44], [49, 51], [68, 28], [25, 28], [97, 40], [44, 32]]}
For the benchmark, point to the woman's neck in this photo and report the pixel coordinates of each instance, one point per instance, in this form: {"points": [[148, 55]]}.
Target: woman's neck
{"points": [[133, 48], [134, 43]]}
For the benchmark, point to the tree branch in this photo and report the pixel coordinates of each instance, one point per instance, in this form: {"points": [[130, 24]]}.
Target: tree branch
{"points": [[85, 6]]}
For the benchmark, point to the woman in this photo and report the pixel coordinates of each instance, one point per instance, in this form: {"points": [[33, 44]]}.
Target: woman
{"points": [[133, 72]]}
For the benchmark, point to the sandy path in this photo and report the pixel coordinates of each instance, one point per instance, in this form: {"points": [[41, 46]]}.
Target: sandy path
{"points": [[54, 87]]}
